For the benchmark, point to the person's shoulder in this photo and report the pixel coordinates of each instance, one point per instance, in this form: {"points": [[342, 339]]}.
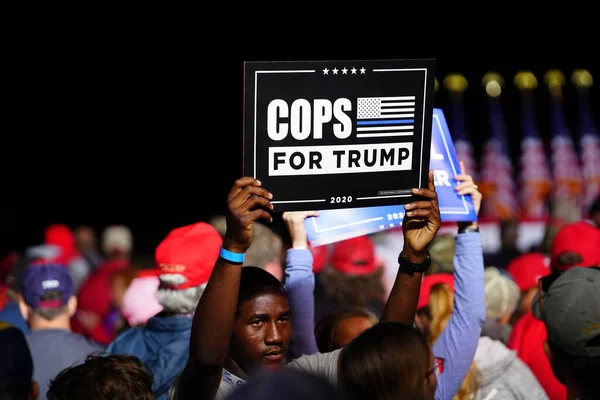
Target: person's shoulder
{"points": [[323, 365], [83, 341], [227, 384], [317, 357], [125, 338]]}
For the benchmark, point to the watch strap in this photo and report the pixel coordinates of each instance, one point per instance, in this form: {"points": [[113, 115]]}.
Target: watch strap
{"points": [[407, 266]]}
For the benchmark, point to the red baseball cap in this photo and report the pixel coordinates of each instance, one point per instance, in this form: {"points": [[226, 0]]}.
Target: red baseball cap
{"points": [[429, 281], [527, 269], [355, 256], [579, 237], [190, 251]]}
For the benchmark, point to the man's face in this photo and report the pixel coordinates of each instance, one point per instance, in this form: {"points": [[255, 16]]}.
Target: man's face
{"points": [[261, 332]]}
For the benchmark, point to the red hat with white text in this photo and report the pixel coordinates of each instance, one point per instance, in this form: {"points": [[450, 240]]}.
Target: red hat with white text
{"points": [[190, 251]]}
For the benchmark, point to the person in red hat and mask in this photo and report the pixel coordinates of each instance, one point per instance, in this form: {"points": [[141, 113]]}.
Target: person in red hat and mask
{"points": [[575, 244], [184, 262]]}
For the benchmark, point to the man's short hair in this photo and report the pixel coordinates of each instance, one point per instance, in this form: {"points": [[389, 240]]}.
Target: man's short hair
{"points": [[118, 377], [183, 301], [256, 281]]}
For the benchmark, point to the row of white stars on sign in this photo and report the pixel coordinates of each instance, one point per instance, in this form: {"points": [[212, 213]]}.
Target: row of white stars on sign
{"points": [[344, 71]]}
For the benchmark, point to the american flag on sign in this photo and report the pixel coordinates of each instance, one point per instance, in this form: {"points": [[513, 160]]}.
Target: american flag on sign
{"points": [[385, 116]]}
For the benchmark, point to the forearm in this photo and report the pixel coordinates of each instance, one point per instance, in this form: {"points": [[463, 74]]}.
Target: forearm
{"points": [[215, 315], [300, 286], [469, 291], [458, 342], [401, 305]]}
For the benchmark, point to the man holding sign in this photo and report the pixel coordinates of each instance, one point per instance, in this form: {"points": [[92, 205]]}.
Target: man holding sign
{"points": [[338, 134]]}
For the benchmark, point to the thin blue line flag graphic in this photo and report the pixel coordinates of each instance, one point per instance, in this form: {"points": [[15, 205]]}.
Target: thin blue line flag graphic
{"points": [[385, 116]]}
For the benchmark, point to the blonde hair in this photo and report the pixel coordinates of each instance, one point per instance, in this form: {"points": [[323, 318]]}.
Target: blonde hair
{"points": [[441, 304]]}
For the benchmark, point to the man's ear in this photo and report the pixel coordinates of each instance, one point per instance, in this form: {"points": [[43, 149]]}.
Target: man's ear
{"points": [[35, 390], [72, 305], [24, 308]]}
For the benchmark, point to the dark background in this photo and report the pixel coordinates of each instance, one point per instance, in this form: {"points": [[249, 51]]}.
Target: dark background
{"points": [[146, 129]]}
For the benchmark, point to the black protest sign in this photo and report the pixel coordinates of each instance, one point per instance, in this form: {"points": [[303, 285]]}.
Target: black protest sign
{"points": [[338, 134]]}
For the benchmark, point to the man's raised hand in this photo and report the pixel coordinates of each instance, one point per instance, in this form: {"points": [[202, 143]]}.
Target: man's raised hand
{"points": [[247, 202], [422, 219]]}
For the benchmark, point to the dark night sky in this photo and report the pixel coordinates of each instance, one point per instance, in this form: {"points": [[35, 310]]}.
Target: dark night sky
{"points": [[147, 132]]}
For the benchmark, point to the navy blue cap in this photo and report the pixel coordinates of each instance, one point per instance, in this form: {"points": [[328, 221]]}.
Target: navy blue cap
{"points": [[41, 278]]}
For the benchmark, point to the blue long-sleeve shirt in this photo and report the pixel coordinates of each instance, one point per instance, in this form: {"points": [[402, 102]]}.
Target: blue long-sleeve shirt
{"points": [[458, 342], [300, 287]]}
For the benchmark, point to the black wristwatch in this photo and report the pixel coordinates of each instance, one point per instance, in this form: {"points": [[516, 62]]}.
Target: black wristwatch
{"points": [[407, 267]]}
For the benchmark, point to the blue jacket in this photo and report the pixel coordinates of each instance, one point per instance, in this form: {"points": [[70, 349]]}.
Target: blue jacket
{"points": [[12, 315], [163, 345]]}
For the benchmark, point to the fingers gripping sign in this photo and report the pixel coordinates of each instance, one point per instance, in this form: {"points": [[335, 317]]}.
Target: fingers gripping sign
{"points": [[466, 186], [247, 202], [294, 221]]}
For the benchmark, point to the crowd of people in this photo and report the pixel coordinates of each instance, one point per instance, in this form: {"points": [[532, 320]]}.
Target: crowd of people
{"points": [[233, 310]]}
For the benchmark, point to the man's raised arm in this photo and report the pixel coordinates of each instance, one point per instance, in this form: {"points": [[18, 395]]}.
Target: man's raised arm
{"points": [[215, 315], [420, 225]]}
